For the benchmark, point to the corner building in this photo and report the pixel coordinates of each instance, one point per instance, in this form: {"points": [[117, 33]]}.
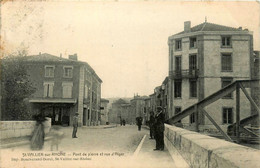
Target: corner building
{"points": [[64, 87], [202, 60]]}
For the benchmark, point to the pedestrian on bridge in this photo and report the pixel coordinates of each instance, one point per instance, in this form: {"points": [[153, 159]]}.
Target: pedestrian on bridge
{"points": [[159, 129], [139, 122], [37, 139], [75, 125]]}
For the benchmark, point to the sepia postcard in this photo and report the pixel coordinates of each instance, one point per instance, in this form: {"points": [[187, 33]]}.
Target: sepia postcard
{"points": [[122, 84]]}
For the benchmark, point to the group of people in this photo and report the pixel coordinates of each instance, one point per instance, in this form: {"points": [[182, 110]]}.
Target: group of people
{"points": [[38, 134], [122, 122], [156, 124]]}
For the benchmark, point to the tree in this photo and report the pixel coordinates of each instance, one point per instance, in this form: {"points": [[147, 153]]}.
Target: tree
{"points": [[15, 88]]}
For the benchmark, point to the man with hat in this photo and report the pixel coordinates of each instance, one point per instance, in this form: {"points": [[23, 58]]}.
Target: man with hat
{"points": [[159, 128], [75, 125]]}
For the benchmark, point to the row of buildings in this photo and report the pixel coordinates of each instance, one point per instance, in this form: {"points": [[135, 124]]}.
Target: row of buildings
{"points": [[202, 60], [64, 87], [123, 109]]}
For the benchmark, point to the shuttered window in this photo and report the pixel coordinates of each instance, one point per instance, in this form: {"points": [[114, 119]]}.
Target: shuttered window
{"points": [[48, 89], [49, 71], [226, 62], [67, 89]]}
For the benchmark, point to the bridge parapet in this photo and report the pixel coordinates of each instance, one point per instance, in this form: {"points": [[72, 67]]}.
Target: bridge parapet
{"points": [[207, 152]]}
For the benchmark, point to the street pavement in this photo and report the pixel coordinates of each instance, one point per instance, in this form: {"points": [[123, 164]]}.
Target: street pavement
{"points": [[111, 147], [147, 157]]}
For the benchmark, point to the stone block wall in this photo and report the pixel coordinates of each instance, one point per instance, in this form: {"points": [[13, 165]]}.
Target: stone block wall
{"points": [[207, 152], [11, 129]]}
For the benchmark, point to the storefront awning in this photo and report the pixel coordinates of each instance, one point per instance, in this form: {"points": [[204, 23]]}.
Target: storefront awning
{"points": [[44, 100]]}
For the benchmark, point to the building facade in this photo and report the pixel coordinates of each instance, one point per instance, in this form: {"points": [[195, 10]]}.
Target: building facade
{"points": [[255, 91], [202, 60], [64, 87], [138, 107], [153, 102], [104, 111], [126, 113], [117, 113], [147, 109]]}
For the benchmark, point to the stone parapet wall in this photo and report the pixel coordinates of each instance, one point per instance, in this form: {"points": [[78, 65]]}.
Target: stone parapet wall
{"points": [[11, 129], [207, 152]]}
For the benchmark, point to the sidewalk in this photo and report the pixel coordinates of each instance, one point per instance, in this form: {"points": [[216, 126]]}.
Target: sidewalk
{"points": [[147, 157]]}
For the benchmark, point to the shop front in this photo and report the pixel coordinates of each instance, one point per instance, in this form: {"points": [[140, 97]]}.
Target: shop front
{"points": [[60, 111]]}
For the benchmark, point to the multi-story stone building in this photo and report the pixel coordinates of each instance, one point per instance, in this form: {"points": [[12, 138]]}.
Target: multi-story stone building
{"points": [[63, 87], [104, 111], [153, 102], [147, 109], [138, 106], [126, 113], [117, 114], [255, 91], [161, 98], [204, 59]]}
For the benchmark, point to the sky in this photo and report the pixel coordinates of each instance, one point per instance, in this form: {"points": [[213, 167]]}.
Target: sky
{"points": [[124, 42]]}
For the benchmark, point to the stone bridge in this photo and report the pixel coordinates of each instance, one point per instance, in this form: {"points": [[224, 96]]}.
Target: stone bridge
{"points": [[203, 151]]}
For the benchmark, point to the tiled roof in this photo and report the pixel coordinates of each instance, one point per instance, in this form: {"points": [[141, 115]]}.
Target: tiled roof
{"points": [[206, 26], [45, 57]]}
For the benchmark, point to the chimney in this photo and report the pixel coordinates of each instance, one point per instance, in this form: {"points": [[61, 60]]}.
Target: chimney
{"points": [[40, 53], [187, 26], [60, 55], [73, 57]]}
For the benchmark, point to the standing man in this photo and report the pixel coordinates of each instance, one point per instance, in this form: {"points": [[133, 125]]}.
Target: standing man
{"points": [[159, 129], [75, 125], [151, 124]]}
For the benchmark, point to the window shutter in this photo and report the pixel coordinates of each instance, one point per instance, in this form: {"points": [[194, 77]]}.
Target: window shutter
{"points": [[45, 90], [50, 90], [67, 91]]}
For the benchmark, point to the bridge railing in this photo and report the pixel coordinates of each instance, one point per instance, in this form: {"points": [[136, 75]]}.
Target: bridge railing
{"points": [[199, 106]]}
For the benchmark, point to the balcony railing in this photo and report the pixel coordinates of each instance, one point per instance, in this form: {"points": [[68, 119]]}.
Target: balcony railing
{"points": [[185, 73]]}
